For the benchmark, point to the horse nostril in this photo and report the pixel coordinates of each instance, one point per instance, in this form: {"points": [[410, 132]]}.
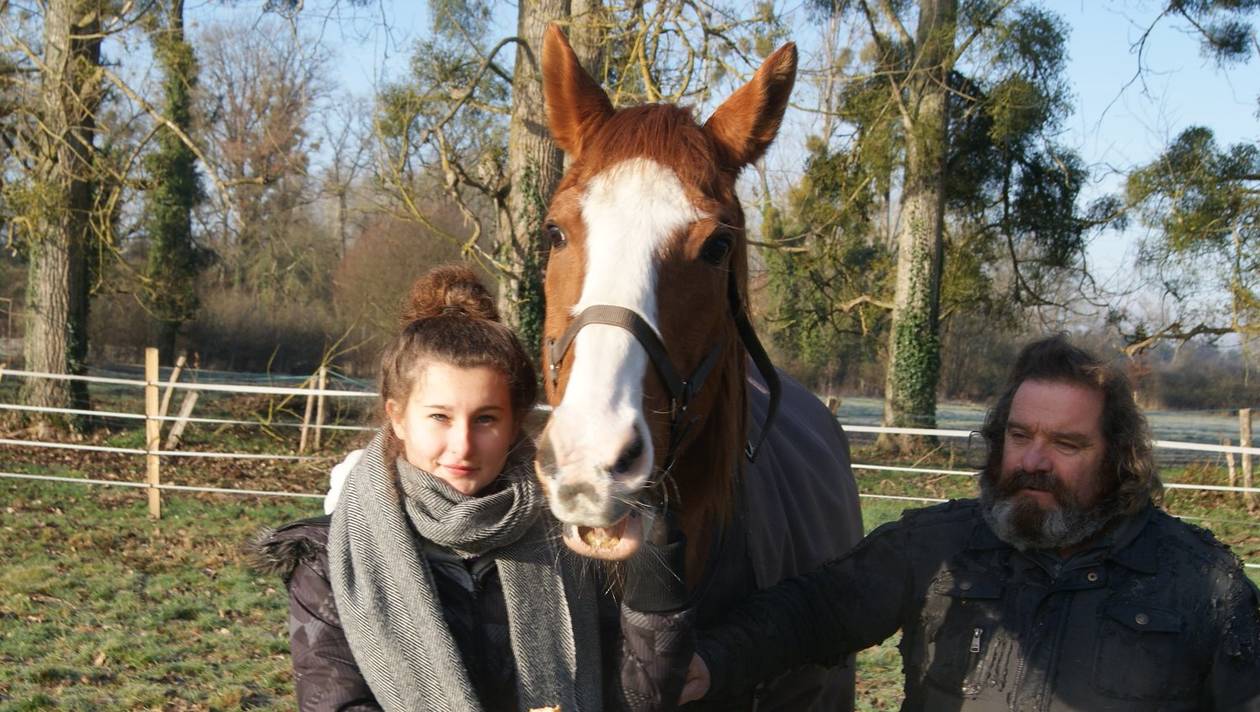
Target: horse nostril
{"points": [[570, 493], [628, 456]]}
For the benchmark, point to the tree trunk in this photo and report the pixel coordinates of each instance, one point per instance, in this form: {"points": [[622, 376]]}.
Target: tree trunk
{"points": [[534, 168], [342, 234], [535, 164], [56, 336], [914, 343]]}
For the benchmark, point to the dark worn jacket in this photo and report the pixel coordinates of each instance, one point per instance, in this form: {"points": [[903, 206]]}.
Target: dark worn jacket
{"points": [[645, 654], [1157, 616]]}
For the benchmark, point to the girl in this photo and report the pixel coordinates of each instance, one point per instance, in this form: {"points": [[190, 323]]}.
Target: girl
{"points": [[438, 583]]}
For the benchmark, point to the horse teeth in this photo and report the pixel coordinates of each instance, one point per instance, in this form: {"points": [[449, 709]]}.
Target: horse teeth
{"points": [[600, 538], [596, 537]]}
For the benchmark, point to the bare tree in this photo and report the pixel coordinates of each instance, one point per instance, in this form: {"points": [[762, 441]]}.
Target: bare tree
{"points": [[345, 138], [534, 167], [260, 85]]}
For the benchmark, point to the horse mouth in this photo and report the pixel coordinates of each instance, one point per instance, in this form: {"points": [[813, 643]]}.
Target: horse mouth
{"points": [[613, 543]]}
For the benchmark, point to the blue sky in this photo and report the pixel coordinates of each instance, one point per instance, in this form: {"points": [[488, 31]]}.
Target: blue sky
{"points": [[1182, 88], [1123, 127]]}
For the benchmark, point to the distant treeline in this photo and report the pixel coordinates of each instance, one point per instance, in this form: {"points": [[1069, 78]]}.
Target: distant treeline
{"points": [[1196, 376], [236, 332]]}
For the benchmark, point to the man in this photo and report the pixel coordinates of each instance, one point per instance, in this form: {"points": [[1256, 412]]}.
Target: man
{"points": [[1062, 588]]}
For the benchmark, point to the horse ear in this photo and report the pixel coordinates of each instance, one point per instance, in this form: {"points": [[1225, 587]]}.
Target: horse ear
{"points": [[575, 104], [745, 124]]}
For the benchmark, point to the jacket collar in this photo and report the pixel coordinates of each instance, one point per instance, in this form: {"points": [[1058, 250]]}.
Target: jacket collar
{"points": [[982, 537], [1130, 550], [1121, 541]]}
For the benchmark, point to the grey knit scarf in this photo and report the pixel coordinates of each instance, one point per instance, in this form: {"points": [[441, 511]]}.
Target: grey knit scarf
{"points": [[389, 605]]}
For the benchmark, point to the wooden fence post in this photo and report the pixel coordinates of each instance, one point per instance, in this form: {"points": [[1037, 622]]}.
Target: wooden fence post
{"points": [[319, 406], [1244, 439], [170, 384], [152, 432], [306, 415]]}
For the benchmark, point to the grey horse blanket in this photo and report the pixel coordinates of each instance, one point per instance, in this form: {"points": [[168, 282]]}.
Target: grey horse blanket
{"points": [[801, 509]]}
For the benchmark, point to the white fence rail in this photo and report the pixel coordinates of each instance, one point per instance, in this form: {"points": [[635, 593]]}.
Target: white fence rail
{"points": [[237, 388], [145, 485], [1159, 444], [246, 389], [170, 418]]}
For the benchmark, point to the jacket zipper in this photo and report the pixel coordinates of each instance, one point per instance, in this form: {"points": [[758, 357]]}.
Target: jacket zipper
{"points": [[1019, 673], [971, 684]]}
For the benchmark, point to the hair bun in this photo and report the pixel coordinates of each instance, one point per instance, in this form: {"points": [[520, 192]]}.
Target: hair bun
{"points": [[449, 290]]}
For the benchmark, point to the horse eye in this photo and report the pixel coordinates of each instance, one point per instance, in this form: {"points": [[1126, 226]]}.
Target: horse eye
{"points": [[555, 235], [716, 248]]}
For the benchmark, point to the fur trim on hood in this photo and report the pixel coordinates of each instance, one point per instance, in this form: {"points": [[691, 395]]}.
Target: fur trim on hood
{"points": [[277, 552]]}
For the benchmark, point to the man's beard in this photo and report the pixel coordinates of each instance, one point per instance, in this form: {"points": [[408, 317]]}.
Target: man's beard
{"points": [[1024, 524]]}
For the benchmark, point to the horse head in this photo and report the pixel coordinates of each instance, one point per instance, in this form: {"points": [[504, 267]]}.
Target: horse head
{"points": [[643, 363]]}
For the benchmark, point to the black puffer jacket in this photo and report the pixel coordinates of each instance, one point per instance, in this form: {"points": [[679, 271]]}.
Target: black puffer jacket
{"points": [[645, 654], [1156, 616]]}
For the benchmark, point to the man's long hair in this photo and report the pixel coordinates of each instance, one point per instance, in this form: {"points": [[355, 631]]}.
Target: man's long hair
{"points": [[1128, 467]]}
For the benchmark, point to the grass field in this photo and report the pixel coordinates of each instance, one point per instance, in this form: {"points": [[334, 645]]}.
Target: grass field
{"points": [[102, 608]]}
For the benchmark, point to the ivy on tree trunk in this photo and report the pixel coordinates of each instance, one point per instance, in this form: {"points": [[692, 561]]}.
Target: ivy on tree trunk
{"points": [[914, 347], [174, 190]]}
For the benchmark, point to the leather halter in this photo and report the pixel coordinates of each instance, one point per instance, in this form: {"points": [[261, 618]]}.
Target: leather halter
{"points": [[681, 391]]}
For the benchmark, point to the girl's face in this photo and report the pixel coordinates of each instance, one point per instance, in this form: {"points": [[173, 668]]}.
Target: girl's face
{"points": [[457, 424]]}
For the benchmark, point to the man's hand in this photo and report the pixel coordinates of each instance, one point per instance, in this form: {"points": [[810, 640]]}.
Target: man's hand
{"points": [[697, 684]]}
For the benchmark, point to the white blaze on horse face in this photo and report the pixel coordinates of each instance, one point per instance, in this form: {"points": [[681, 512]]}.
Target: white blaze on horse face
{"points": [[631, 211]]}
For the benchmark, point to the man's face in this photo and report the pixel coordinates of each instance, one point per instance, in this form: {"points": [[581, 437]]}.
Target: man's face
{"points": [[1054, 445], [1049, 483]]}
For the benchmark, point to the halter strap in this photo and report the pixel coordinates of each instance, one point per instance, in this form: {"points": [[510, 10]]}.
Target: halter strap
{"points": [[681, 392], [760, 359], [631, 321]]}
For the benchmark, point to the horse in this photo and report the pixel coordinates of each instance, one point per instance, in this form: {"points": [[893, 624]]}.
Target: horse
{"points": [[646, 351]]}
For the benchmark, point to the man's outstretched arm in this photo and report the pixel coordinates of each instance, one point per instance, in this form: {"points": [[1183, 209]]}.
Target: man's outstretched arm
{"points": [[848, 604]]}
